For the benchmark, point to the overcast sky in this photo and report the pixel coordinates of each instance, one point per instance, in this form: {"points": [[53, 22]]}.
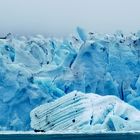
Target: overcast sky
{"points": [[60, 17]]}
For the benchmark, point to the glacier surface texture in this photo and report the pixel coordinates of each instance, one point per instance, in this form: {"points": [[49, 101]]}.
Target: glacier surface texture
{"points": [[36, 70]]}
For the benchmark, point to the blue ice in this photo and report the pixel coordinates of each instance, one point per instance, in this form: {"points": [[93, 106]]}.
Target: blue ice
{"points": [[38, 70]]}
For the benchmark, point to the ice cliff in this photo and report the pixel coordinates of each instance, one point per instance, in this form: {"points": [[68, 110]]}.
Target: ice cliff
{"points": [[36, 70]]}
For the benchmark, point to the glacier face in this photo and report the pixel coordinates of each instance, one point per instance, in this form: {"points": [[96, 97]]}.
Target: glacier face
{"points": [[36, 70], [82, 112]]}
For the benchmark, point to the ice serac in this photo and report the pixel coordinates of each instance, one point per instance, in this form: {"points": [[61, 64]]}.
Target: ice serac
{"points": [[82, 34], [77, 111]]}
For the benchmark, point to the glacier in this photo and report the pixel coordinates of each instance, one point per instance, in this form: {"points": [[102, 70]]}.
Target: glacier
{"points": [[35, 70]]}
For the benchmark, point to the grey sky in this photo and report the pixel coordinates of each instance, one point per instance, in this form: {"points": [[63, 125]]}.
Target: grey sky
{"points": [[60, 17]]}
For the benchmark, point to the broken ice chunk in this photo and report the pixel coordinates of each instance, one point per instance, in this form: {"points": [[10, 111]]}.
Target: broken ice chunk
{"points": [[77, 111]]}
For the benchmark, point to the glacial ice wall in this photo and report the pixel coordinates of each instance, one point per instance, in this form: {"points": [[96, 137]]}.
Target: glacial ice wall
{"points": [[35, 70]]}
